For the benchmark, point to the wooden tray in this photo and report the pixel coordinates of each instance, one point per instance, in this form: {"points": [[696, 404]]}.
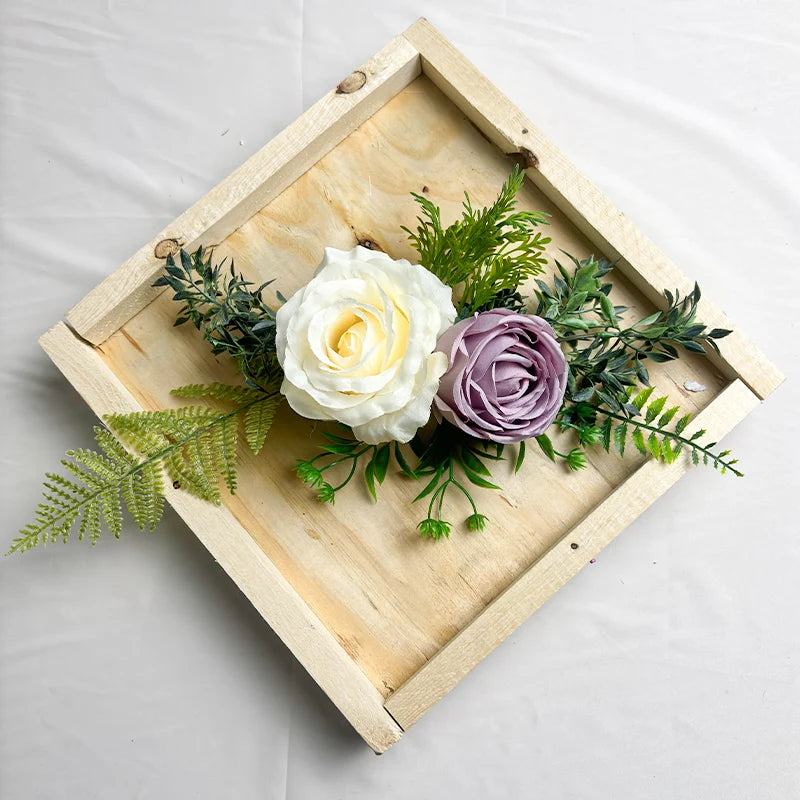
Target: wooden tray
{"points": [[387, 623]]}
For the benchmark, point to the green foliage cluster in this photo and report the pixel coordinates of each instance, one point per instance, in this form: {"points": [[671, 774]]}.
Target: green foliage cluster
{"points": [[607, 364], [229, 312], [604, 355], [193, 447], [486, 256], [604, 404], [488, 253], [349, 452]]}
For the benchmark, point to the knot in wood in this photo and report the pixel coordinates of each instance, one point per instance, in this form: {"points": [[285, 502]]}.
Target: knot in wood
{"points": [[370, 244], [352, 83], [166, 247]]}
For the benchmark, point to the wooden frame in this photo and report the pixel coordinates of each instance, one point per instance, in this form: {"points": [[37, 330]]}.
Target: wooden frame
{"points": [[78, 350]]}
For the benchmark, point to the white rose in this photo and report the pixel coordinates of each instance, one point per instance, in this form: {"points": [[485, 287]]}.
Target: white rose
{"points": [[357, 343]]}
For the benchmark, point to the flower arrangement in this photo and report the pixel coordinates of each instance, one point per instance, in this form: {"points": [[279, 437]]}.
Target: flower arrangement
{"points": [[443, 368]]}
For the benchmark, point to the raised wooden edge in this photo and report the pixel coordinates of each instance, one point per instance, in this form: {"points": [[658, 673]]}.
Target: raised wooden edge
{"points": [[238, 554], [579, 199], [560, 563], [249, 188]]}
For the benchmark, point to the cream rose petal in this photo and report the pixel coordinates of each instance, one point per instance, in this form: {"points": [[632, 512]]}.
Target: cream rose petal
{"points": [[356, 343], [401, 425]]}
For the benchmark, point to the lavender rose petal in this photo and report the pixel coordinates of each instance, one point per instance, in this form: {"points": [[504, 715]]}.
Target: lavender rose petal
{"points": [[506, 379]]}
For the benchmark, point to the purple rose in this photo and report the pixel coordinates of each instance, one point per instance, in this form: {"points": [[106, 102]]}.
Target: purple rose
{"points": [[506, 379]]}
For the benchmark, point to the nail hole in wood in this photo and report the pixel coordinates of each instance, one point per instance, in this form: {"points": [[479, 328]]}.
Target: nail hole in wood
{"points": [[574, 545], [352, 83], [166, 247], [525, 158]]}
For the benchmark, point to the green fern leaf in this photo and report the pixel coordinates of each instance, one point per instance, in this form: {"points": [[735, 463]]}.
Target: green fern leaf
{"points": [[640, 399], [654, 409], [654, 446], [257, 422], [257, 419], [218, 391], [620, 436], [193, 447], [637, 437], [667, 416]]}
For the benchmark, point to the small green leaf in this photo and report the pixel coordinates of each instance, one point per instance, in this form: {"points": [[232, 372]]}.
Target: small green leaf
{"points": [[640, 399], [654, 409], [543, 440], [637, 437], [643, 323], [606, 430], [520, 457], [369, 479], [584, 394], [667, 416], [654, 446], [620, 436], [381, 462], [471, 461], [339, 449], [477, 479], [608, 309], [401, 461], [430, 486]]}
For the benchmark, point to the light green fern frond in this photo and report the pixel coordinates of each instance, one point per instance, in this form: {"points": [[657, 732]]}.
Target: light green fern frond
{"points": [[218, 391], [257, 419], [193, 447], [655, 435]]}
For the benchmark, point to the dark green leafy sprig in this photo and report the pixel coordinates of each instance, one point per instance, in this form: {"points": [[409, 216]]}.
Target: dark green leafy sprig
{"points": [[229, 312], [607, 359], [488, 253]]}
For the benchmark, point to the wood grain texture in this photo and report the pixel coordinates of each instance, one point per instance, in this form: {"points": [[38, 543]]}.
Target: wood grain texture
{"points": [[237, 553], [592, 213], [392, 600], [261, 178], [560, 563]]}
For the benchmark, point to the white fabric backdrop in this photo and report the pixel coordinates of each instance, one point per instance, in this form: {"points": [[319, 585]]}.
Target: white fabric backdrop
{"points": [[668, 669]]}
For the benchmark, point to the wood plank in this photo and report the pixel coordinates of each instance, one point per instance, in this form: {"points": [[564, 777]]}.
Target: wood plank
{"points": [[235, 550], [261, 178], [563, 561], [588, 208]]}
